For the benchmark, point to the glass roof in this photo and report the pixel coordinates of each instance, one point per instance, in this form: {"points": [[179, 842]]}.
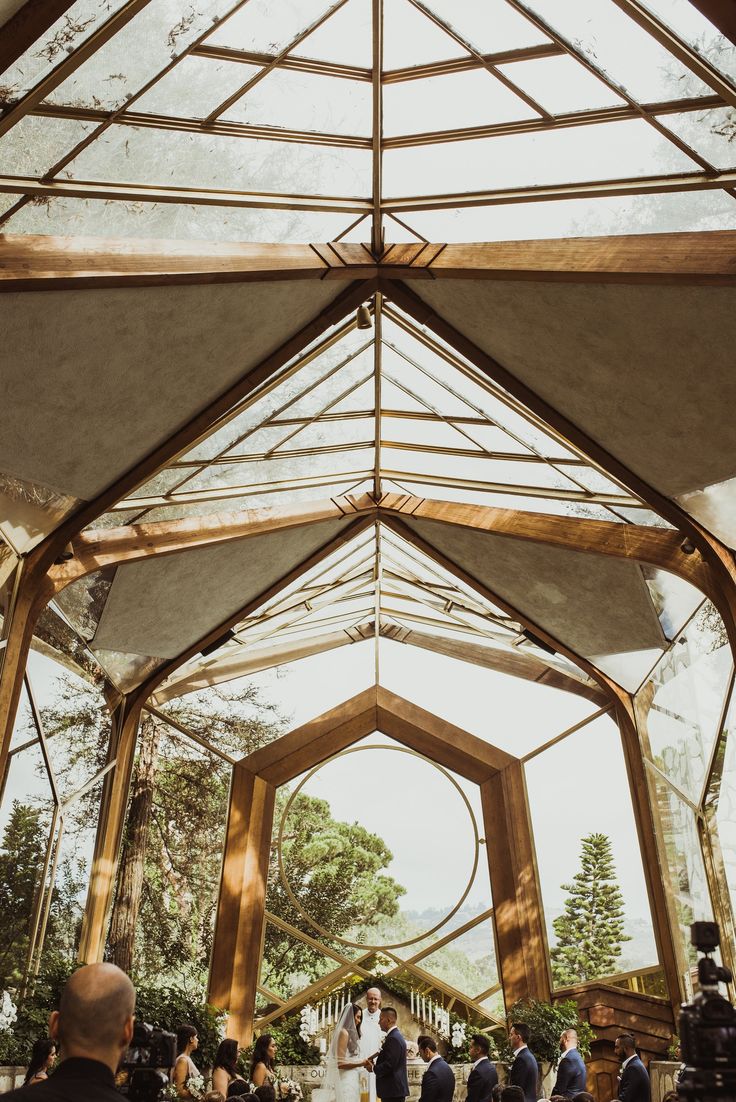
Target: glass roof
{"points": [[217, 120]]}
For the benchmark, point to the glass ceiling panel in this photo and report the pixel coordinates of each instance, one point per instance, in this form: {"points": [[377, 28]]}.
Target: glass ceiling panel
{"points": [[78, 23], [710, 133], [196, 86], [306, 101], [614, 43], [602, 151], [410, 38], [140, 50], [99, 218], [35, 144], [254, 29], [489, 27], [345, 38], [561, 84], [619, 214], [450, 101], [132, 154], [692, 26]]}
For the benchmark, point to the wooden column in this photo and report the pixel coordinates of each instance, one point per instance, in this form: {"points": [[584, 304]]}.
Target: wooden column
{"points": [[240, 908], [520, 937], [116, 786], [650, 833], [28, 593]]}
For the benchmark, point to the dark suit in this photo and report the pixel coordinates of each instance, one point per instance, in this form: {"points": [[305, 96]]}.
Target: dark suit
{"points": [[571, 1075], [634, 1083], [75, 1080], [390, 1068], [438, 1084], [525, 1074], [481, 1081]]}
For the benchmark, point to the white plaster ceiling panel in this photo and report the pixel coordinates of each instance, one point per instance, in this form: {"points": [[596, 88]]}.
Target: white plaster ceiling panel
{"points": [[647, 371], [92, 381], [594, 604], [161, 606]]}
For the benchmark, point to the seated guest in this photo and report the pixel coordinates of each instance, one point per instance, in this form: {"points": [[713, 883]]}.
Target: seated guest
{"points": [[214, 1096], [512, 1093], [483, 1077], [43, 1055], [266, 1093], [225, 1069], [240, 1089], [93, 1027]]}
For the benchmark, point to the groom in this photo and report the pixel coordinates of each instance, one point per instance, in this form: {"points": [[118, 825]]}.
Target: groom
{"points": [[389, 1065]]}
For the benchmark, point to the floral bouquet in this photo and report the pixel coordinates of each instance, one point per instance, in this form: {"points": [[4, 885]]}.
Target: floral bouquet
{"points": [[195, 1084], [287, 1090], [8, 1012]]}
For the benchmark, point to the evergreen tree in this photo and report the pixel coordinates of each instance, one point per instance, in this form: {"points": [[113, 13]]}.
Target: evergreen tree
{"points": [[21, 861], [591, 928]]}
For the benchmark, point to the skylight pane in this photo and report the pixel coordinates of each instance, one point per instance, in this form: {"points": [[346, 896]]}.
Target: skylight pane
{"points": [[561, 84], [306, 101], [621, 214], [410, 38], [255, 29], [456, 100], [699, 33], [490, 27], [195, 87], [140, 50], [35, 144], [598, 152], [345, 39], [67, 34], [624, 51], [144, 156], [98, 218], [710, 133]]}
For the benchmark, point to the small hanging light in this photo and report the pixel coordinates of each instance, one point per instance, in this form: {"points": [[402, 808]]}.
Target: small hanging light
{"points": [[363, 318]]}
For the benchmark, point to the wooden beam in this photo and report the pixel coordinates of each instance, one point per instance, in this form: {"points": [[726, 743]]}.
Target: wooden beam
{"points": [[110, 823], [35, 262], [32, 19], [437, 739], [240, 920], [721, 13], [517, 906], [96, 548], [662, 258]]}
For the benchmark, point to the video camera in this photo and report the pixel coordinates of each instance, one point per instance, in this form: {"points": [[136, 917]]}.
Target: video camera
{"points": [[141, 1077], [708, 1028]]}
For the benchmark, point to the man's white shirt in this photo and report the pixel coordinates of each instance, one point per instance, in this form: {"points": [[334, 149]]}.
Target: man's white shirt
{"points": [[628, 1060]]}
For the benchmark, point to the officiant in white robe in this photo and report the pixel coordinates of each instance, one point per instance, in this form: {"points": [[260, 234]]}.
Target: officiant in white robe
{"points": [[371, 1034]]}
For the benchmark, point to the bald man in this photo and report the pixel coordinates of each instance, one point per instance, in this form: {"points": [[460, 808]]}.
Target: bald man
{"points": [[371, 1034], [92, 1027]]}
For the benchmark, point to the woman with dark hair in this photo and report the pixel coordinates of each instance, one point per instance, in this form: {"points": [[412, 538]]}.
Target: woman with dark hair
{"points": [[344, 1062], [225, 1068], [262, 1066], [42, 1060], [186, 1042]]}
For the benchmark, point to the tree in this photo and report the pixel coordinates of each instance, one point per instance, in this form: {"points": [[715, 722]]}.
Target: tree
{"points": [[334, 871], [591, 929], [21, 859]]}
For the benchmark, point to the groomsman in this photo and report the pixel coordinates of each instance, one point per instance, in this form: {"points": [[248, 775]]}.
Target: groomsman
{"points": [[524, 1070], [571, 1074], [483, 1076], [438, 1084], [392, 1084], [633, 1086]]}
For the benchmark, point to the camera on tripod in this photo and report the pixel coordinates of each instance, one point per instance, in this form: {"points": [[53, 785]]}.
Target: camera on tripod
{"points": [[141, 1077], [708, 1028]]}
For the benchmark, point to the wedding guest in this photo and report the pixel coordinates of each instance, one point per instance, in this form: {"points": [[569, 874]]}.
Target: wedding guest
{"points": [[671, 1096], [571, 1073], [187, 1042], [43, 1055], [93, 1027], [524, 1070], [262, 1065], [512, 1093], [584, 1097], [633, 1086], [483, 1076], [239, 1089], [438, 1084], [213, 1096], [225, 1069], [266, 1093]]}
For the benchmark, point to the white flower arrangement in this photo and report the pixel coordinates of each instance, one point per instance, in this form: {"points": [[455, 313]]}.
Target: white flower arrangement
{"points": [[458, 1034], [8, 1013], [287, 1090], [195, 1084]]}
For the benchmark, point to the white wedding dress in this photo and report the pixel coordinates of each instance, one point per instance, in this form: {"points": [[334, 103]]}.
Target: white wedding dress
{"points": [[343, 1083]]}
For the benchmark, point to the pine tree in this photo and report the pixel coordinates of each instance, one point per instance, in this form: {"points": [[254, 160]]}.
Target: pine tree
{"points": [[591, 928], [21, 860]]}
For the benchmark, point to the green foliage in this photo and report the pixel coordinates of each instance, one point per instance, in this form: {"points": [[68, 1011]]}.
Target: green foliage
{"points": [[591, 928], [170, 1007], [33, 1013], [334, 870], [291, 1050], [21, 859], [546, 1022]]}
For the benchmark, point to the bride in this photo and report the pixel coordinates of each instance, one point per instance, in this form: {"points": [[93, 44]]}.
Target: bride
{"points": [[344, 1062]]}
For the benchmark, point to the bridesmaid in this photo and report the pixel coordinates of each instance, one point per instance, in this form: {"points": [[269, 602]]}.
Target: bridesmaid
{"points": [[186, 1042], [262, 1066]]}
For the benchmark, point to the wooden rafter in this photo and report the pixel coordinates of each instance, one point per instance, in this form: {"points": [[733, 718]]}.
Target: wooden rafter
{"points": [[32, 19]]}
